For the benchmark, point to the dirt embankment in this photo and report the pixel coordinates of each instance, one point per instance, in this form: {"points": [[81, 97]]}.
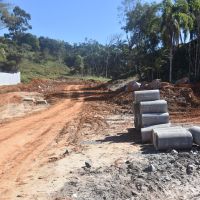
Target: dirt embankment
{"points": [[183, 101]]}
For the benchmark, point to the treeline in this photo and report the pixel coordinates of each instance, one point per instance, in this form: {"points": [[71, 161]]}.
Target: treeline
{"points": [[164, 38], [162, 41], [87, 58]]}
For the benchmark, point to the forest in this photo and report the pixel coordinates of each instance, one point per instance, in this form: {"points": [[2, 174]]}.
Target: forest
{"points": [[161, 40]]}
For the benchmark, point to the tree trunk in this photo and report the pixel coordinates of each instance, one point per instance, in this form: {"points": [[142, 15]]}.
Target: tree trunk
{"points": [[170, 63], [196, 57], [198, 67], [189, 60], [107, 67]]}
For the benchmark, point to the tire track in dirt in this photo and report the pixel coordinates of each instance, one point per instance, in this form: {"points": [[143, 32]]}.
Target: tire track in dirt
{"points": [[66, 105], [35, 118], [20, 147]]}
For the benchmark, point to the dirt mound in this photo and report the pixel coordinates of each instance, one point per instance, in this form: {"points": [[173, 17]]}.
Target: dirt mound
{"points": [[53, 86], [179, 98], [10, 88], [36, 85], [40, 85], [142, 176], [13, 104], [10, 98]]}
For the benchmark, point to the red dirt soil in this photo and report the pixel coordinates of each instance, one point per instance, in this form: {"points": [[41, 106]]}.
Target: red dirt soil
{"points": [[22, 140]]}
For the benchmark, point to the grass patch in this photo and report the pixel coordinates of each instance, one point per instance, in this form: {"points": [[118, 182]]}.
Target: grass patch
{"points": [[49, 70], [95, 78]]}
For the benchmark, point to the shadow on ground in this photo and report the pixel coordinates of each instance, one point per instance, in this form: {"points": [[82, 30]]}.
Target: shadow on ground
{"points": [[133, 137]]}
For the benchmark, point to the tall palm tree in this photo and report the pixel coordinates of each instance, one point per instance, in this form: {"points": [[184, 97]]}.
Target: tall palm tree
{"points": [[175, 21], [194, 9]]}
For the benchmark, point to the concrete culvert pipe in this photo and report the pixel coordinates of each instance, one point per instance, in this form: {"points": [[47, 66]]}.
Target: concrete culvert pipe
{"points": [[164, 129], [172, 138], [146, 95], [136, 108], [195, 131], [158, 106], [137, 117], [137, 121], [154, 119], [147, 132]]}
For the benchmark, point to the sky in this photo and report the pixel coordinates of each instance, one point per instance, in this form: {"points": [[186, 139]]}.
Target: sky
{"points": [[73, 20]]}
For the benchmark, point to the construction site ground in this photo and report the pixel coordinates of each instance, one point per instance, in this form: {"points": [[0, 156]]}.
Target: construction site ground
{"points": [[83, 145]]}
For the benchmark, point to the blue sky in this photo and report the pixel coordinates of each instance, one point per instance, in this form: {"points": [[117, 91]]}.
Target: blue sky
{"points": [[73, 20]]}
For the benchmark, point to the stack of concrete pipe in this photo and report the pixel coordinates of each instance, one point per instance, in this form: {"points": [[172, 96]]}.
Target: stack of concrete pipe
{"points": [[150, 112], [152, 119]]}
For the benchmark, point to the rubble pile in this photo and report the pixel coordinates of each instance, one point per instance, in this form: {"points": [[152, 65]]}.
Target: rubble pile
{"points": [[174, 175]]}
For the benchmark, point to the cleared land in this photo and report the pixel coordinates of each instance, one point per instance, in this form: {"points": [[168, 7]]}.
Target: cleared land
{"points": [[83, 145]]}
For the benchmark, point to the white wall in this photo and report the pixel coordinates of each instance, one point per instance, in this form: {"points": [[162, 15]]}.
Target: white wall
{"points": [[9, 78]]}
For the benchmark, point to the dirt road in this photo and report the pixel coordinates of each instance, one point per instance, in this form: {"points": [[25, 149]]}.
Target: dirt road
{"points": [[23, 140]]}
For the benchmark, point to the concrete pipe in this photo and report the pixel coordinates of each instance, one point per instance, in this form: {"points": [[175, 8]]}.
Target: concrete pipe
{"points": [[195, 131], [158, 106], [147, 133], [164, 129], [154, 119], [146, 95], [172, 138], [137, 121], [136, 111], [136, 108]]}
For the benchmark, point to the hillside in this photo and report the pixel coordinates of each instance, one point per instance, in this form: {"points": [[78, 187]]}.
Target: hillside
{"points": [[49, 70]]}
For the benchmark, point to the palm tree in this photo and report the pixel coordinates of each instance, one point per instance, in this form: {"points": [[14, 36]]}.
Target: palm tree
{"points": [[194, 9], [175, 21]]}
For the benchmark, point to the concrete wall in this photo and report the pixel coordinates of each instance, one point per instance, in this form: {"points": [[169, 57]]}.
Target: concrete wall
{"points": [[9, 78]]}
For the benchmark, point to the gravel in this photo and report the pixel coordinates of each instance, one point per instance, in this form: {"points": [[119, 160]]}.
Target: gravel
{"points": [[173, 175]]}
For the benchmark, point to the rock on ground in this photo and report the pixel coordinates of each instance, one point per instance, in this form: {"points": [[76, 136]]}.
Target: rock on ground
{"points": [[154, 176]]}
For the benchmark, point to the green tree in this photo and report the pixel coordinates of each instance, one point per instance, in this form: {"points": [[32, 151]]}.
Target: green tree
{"points": [[143, 27], [79, 64], [175, 18], [2, 54], [3, 11], [17, 22], [194, 8], [29, 39]]}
